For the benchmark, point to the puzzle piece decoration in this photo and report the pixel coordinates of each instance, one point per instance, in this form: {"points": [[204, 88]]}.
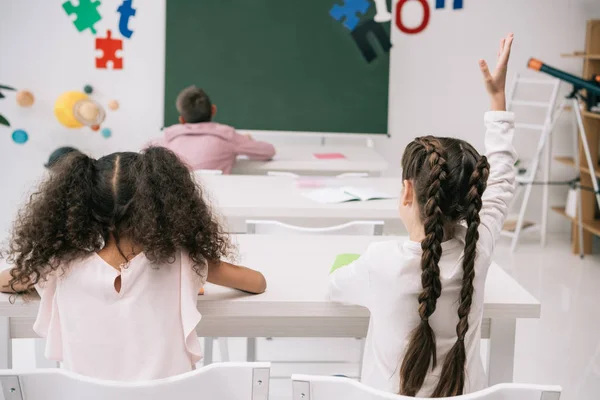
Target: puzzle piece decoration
{"points": [[87, 14], [412, 31], [458, 4], [127, 11], [360, 36], [349, 12], [109, 47]]}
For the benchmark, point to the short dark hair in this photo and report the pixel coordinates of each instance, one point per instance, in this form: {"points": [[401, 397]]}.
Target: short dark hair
{"points": [[58, 154], [194, 105]]}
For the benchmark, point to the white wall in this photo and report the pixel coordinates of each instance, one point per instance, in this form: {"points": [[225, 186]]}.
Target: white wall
{"points": [[435, 82], [41, 50]]}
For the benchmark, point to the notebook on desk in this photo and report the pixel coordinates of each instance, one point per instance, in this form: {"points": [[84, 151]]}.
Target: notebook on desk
{"points": [[345, 194]]}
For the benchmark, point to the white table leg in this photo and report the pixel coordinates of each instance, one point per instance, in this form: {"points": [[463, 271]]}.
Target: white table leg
{"points": [[501, 351], [40, 358], [208, 350], [224, 349], [5, 344], [251, 349]]}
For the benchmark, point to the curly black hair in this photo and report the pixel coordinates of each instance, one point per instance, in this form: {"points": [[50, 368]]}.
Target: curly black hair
{"points": [[150, 198]]}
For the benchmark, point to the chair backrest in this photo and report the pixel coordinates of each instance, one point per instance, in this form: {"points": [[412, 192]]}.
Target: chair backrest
{"points": [[208, 172], [226, 381], [306, 387], [282, 173], [342, 176], [363, 228], [353, 175]]}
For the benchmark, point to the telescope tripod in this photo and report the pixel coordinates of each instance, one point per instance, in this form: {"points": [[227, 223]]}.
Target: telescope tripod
{"points": [[574, 100]]}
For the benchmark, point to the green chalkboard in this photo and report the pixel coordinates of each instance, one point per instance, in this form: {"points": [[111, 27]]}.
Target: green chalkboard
{"points": [[277, 65]]}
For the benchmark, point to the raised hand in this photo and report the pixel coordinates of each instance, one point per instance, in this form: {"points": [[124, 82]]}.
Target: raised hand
{"points": [[495, 82]]}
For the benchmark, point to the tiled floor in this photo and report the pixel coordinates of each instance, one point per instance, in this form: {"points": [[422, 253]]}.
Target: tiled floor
{"points": [[562, 347]]}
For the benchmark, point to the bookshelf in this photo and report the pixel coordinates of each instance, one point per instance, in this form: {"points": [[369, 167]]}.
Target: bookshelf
{"points": [[591, 121]]}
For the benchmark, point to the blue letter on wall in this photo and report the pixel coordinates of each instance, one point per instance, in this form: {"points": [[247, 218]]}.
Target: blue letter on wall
{"points": [[126, 11], [458, 4]]}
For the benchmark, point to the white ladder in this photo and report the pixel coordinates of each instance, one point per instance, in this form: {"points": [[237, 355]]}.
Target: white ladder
{"points": [[525, 182]]}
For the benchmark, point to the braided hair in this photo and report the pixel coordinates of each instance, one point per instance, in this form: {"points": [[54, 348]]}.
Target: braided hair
{"points": [[449, 177]]}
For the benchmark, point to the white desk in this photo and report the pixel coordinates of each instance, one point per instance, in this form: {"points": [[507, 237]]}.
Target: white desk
{"points": [[295, 304], [300, 159], [241, 197]]}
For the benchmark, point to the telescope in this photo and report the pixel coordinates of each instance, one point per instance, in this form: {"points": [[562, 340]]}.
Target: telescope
{"points": [[592, 98]]}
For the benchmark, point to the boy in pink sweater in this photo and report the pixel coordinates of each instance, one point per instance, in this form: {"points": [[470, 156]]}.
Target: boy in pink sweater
{"points": [[204, 144]]}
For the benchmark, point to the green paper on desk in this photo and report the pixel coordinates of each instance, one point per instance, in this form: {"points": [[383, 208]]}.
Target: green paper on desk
{"points": [[342, 260]]}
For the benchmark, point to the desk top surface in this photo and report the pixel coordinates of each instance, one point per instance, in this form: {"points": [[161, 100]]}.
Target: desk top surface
{"points": [[301, 158], [249, 196], [297, 269]]}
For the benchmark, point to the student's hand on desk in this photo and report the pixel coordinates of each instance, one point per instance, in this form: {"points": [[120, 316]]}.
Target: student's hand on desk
{"points": [[495, 82], [225, 274]]}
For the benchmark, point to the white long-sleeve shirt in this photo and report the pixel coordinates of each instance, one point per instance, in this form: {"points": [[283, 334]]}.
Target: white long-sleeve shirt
{"points": [[387, 281]]}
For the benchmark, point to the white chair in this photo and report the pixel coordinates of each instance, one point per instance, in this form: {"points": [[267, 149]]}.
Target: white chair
{"points": [[342, 176], [364, 228], [306, 387], [283, 173], [227, 381], [353, 175], [208, 172]]}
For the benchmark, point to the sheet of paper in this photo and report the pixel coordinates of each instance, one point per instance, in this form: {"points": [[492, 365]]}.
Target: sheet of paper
{"points": [[329, 156], [329, 196], [365, 194], [342, 260]]}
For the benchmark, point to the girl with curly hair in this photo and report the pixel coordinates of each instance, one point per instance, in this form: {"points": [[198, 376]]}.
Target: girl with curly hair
{"points": [[118, 249], [426, 294]]}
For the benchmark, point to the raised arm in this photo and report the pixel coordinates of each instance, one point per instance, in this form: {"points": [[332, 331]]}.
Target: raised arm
{"points": [[499, 149], [225, 274]]}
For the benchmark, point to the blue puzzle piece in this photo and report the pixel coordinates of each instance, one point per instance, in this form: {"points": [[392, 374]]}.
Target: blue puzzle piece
{"points": [[127, 11], [349, 12]]}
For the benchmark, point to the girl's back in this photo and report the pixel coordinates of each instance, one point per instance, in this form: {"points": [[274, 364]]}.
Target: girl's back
{"points": [[395, 281], [145, 330]]}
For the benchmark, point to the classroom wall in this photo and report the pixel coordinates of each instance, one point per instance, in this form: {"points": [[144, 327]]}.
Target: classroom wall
{"points": [[435, 82], [41, 50]]}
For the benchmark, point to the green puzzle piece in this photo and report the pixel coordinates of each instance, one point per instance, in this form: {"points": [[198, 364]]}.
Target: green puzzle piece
{"points": [[342, 260], [87, 14]]}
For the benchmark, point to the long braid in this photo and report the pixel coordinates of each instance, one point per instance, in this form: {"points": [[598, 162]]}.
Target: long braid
{"points": [[421, 350], [452, 378]]}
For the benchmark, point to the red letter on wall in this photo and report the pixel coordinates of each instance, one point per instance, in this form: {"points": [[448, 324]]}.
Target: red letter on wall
{"points": [[418, 29]]}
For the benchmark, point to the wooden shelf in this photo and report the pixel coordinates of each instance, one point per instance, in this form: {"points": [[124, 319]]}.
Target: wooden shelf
{"points": [[581, 55], [590, 114], [590, 226], [570, 161]]}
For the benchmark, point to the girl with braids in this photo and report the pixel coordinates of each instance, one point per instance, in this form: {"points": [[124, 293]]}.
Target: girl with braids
{"points": [[118, 249], [425, 295]]}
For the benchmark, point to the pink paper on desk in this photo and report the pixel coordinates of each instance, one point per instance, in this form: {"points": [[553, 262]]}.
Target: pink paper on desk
{"points": [[329, 156]]}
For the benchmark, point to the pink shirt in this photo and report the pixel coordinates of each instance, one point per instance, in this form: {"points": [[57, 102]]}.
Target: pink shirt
{"points": [[145, 331], [209, 145]]}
